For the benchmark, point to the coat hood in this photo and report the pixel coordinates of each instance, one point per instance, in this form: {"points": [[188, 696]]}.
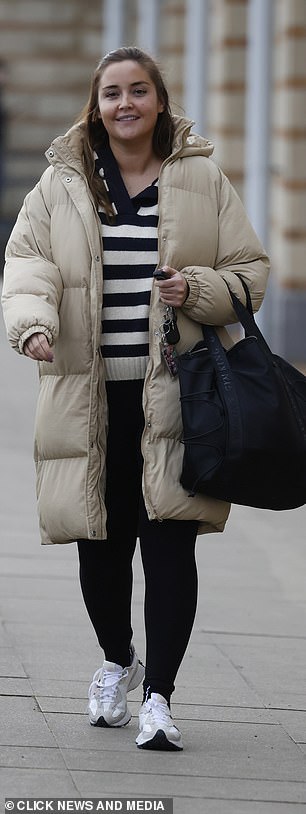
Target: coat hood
{"points": [[188, 143], [68, 148]]}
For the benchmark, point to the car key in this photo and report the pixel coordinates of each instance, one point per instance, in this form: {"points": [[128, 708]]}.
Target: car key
{"points": [[160, 274]]}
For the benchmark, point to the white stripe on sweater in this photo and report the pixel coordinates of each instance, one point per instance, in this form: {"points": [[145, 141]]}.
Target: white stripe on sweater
{"points": [[137, 258], [127, 286], [128, 230], [133, 338], [129, 312]]}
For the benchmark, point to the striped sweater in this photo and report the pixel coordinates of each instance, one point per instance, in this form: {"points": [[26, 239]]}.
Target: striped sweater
{"points": [[129, 259]]}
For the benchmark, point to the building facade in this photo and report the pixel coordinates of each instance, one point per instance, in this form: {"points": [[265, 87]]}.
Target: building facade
{"points": [[237, 67]]}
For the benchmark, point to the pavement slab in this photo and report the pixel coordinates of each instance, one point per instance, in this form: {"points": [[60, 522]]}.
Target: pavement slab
{"points": [[278, 667], [204, 712], [37, 783], [241, 695], [210, 750], [144, 785], [71, 706], [22, 724], [49, 588], [15, 686], [4, 640], [60, 688], [65, 612], [31, 757], [293, 722], [287, 700], [10, 664]]}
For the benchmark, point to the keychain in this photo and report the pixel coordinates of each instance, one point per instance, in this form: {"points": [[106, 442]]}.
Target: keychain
{"points": [[169, 336], [168, 331]]}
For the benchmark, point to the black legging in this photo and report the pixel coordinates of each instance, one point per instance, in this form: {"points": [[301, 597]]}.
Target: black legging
{"points": [[167, 551]]}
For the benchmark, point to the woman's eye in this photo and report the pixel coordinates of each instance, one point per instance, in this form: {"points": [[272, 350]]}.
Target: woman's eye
{"points": [[114, 94]]}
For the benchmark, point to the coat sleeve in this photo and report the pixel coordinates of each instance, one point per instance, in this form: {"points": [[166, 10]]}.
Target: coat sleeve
{"points": [[239, 253], [32, 285]]}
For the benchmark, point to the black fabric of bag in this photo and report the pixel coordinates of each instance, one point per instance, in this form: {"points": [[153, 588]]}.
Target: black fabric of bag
{"points": [[244, 420]]}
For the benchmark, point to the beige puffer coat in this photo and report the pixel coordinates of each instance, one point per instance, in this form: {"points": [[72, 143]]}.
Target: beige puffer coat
{"points": [[53, 283]]}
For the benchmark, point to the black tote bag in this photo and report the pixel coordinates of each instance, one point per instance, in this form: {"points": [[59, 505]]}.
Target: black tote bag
{"points": [[244, 420]]}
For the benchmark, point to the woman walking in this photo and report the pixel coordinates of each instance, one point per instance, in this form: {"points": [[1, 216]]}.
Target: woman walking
{"points": [[129, 190]]}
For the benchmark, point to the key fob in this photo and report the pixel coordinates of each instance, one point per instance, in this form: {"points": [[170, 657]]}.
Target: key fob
{"points": [[172, 333], [160, 274]]}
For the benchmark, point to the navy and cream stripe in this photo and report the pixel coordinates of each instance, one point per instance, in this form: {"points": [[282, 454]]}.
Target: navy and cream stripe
{"points": [[129, 259]]}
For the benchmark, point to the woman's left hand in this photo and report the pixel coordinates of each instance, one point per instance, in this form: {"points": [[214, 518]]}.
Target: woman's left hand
{"points": [[174, 290]]}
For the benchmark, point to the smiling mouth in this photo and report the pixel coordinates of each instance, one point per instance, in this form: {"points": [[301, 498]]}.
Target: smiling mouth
{"points": [[127, 119]]}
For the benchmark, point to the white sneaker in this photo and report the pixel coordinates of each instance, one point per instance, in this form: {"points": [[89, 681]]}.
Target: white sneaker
{"points": [[108, 690], [157, 730]]}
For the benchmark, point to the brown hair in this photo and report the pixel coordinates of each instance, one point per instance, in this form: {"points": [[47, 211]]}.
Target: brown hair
{"points": [[95, 133]]}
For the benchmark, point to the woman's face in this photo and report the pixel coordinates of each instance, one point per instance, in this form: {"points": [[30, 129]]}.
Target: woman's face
{"points": [[128, 103]]}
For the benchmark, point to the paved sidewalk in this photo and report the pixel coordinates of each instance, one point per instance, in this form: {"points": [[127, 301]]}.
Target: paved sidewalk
{"points": [[241, 692]]}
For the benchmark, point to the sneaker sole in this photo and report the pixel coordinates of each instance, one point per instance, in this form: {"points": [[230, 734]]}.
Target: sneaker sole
{"points": [[103, 723], [160, 742]]}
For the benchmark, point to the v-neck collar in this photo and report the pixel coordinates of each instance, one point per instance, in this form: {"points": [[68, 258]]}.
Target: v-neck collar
{"points": [[108, 168]]}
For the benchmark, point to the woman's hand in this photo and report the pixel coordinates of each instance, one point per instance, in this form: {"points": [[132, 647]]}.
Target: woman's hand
{"points": [[174, 290], [37, 347]]}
